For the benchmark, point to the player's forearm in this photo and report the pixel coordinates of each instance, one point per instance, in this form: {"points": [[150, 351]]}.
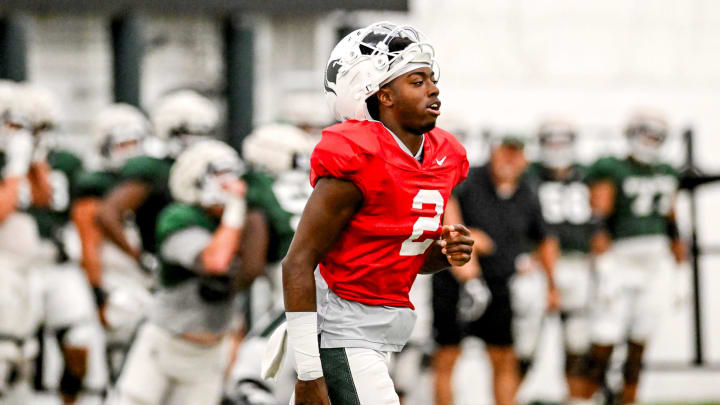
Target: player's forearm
{"points": [[8, 196], [602, 199], [224, 245], [298, 280], [113, 226], [127, 197], [435, 262], [253, 249], [82, 213], [40, 186], [221, 250], [548, 252]]}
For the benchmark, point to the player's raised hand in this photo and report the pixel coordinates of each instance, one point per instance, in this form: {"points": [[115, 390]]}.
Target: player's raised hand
{"points": [[456, 244], [235, 187], [313, 392]]}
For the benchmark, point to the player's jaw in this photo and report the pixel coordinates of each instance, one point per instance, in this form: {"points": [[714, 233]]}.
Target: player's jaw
{"points": [[419, 99]]}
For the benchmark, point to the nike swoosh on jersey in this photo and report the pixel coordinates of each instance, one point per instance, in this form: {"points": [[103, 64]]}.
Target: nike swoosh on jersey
{"points": [[441, 161]]}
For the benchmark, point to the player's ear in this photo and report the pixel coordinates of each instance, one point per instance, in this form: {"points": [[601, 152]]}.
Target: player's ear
{"points": [[384, 96]]}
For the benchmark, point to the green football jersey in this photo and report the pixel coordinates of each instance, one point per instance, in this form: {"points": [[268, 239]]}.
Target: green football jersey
{"points": [[565, 206], [187, 301], [94, 184], [64, 167], [260, 196], [155, 173], [644, 195], [174, 218], [178, 216]]}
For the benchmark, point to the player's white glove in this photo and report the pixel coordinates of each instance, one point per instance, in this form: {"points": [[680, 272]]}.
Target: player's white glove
{"points": [[234, 212], [474, 298], [19, 150]]}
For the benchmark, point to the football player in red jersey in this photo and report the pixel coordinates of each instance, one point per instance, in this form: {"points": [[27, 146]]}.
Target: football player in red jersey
{"points": [[381, 179]]}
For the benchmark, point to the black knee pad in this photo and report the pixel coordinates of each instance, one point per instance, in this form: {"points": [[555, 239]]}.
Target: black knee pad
{"points": [[576, 365], [631, 371], [596, 369], [524, 366], [70, 384]]}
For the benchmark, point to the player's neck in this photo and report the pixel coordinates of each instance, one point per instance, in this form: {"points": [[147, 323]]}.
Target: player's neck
{"points": [[411, 140]]}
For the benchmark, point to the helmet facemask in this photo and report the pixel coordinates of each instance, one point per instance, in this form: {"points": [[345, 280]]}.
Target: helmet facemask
{"points": [[557, 149], [120, 131], [645, 138], [212, 186], [122, 145]]}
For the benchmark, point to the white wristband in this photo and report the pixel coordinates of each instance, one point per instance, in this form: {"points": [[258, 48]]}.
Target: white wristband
{"points": [[303, 339], [19, 149], [234, 212]]}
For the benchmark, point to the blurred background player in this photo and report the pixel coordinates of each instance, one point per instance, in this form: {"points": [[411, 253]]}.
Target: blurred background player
{"points": [[282, 151], [19, 238], [559, 182], [179, 119], [54, 300], [505, 220], [119, 284], [64, 310], [635, 198], [206, 246]]}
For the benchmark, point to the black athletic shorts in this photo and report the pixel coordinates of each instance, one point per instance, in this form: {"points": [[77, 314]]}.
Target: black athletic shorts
{"points": [[494, 327]]}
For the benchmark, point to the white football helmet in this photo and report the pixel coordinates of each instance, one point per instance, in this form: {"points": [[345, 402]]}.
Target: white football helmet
{"points": [[278, 148], [646, 133], [183, 117], [557, 144], [201, 170], [119, 131], [369, 58], [35, 108]]}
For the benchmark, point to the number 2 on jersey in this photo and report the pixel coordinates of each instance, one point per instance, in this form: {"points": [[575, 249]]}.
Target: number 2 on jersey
{"points": [[411, 247]]}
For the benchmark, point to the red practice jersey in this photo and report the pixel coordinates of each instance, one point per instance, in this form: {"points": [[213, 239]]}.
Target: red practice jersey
{"points": [[379, 254]]}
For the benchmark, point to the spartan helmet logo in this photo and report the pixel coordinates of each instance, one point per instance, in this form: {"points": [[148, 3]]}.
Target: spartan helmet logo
{"points": [[331, 74]]}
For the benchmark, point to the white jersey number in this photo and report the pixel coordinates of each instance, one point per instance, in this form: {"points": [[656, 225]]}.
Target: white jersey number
{"points": [[651, 195], [565, 202], [411, 247]]}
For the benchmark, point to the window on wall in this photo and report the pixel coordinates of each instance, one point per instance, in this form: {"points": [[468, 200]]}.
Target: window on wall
{"points": [[71, 56], [181, 52]]}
